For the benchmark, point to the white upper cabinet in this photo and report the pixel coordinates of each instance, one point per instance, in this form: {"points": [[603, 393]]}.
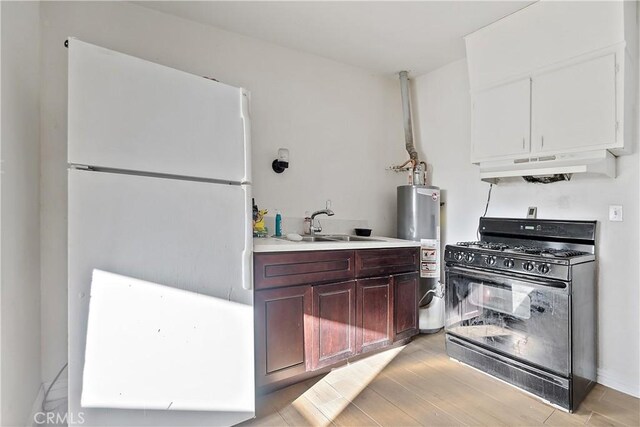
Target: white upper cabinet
{"points": [[543, 34], [574, 108], [501, 124], [563, 75]]}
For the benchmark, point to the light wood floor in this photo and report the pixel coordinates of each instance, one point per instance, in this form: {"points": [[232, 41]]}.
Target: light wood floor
{"points": [[419, 385]]}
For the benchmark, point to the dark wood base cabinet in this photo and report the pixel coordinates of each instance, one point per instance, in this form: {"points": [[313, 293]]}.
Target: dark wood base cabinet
{"points": [[334, 323], [374, 313], [282, 326], [308, 324], [405, 305]]}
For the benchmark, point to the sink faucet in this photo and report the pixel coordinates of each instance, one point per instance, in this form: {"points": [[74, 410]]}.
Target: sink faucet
{"points": [[327, 211]]}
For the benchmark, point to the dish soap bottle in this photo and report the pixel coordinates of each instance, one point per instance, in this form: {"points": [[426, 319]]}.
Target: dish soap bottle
{"points": [[307, 223], [278, 224]]}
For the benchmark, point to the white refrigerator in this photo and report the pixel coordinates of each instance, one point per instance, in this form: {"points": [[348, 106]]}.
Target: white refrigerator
{"points": [[159, 245]]}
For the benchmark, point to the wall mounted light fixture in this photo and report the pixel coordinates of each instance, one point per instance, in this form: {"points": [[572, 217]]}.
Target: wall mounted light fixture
{"points": [[282, 162]]}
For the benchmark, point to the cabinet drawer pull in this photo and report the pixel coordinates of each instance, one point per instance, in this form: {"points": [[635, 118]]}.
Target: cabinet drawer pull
{"points": [[542, 141]]}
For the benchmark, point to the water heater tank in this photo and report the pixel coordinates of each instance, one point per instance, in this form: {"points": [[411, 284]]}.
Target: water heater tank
{"points": [[419, 220]]}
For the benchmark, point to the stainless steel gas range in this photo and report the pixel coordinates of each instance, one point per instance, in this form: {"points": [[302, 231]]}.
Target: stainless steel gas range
{"points": [[520, 305]]}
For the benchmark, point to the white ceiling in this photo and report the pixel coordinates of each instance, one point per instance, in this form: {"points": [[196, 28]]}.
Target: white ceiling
{"points": [[384, 37]]}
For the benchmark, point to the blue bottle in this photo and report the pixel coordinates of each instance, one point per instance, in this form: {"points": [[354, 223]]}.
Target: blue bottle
{"points": [[278, 224]]}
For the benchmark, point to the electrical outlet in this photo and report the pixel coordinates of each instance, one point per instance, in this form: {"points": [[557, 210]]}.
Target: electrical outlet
{"points": [[615, 212]]}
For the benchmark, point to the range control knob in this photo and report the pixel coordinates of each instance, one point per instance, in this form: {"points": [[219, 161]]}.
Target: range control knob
{"points": [[490, 260], [528, 266], [508, 263], [458, 256], [543, 268], [468, 257]]}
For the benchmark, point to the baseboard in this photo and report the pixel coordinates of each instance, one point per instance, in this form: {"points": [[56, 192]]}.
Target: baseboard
{"points": [[616, 382]]}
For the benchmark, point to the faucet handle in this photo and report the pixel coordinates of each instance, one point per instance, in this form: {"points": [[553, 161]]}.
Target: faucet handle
{"points": [[328, 204]]}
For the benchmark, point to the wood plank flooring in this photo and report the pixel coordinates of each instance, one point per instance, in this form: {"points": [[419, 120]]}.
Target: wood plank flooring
{"points": [[419, 385]]}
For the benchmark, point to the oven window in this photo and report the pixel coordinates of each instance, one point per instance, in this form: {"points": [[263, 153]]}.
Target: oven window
{"points": [[515, 302], [521, 319]]}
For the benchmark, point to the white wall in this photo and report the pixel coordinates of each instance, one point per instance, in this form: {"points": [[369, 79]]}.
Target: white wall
{"points": [[442, 107], [19, 212], [341, 124]]}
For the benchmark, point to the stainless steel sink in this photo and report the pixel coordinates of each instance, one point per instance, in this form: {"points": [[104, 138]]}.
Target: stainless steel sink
{"points": [[337, 238], [349, 238], [316, 239]]}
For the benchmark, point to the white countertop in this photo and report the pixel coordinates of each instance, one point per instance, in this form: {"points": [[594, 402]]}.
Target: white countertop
{"points": [[272, 244]]}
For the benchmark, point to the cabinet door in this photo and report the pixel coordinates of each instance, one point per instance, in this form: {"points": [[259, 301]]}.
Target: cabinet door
{"points": [[374, 313], [574, 108], [405, 305], [282, 324], [334, 328], [501, 121]]}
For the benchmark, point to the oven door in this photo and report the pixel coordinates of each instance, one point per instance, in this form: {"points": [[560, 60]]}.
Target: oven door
{"points": [[527, 319]]}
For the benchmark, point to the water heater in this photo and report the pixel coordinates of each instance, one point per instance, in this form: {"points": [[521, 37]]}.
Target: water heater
{"points": [[419, 220]]}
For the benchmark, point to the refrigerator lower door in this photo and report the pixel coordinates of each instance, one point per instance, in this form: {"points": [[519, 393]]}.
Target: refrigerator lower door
{"points": [[177, 250]]}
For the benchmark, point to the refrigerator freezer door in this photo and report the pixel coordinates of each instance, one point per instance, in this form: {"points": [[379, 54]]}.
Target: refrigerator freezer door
{"points": [[128, 113], [186, 235]]}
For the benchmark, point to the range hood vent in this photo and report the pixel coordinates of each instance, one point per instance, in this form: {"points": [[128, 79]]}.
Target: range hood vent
{"points": [[599, 162]]}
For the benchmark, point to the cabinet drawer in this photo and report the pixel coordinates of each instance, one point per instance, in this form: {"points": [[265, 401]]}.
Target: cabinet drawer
{"points": [[378, 262], [295, 268]]}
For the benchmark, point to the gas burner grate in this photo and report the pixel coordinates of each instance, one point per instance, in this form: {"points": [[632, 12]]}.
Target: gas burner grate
{"points": [[529, 250], [467, 244], [494, 246], [561, 253], [484, 245]]}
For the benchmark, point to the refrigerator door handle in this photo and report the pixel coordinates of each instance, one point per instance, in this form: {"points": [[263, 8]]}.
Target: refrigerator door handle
{"points": [[246, 124], [247, 253]]}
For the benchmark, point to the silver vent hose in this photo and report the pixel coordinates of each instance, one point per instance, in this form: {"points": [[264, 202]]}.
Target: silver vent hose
{"points": [[406, 112], [438, 292]]}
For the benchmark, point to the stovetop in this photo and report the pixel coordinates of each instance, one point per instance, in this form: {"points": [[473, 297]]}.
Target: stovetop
{"points": [[519, 259], [526, 247], [545, 252]]}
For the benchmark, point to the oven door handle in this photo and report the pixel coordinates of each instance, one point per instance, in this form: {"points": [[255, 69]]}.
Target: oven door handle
{"points": [[508, 280]]}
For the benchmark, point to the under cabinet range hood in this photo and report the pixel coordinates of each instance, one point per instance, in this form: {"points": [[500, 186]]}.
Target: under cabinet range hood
{"points": [[599, 162], [549, 101]]}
